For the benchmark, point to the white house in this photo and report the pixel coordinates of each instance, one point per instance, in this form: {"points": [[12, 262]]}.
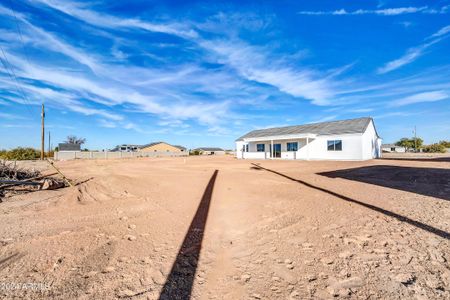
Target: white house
{"points": [[392, 148], [355, 139], [210, 151]]}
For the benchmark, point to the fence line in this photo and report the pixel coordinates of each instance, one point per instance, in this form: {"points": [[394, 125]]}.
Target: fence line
{"points": [[67, 155]]}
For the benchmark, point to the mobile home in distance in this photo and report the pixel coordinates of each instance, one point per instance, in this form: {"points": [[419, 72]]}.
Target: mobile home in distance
{"points": [[354, 139]]}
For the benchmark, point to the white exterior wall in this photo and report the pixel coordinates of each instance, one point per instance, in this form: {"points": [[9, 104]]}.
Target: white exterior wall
{"points": [[239, 149], [351, 147], [355, 146], [397, 149], [371, 143]]}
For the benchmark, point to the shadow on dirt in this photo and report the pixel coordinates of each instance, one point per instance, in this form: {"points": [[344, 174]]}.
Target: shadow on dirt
{"points": [[181, 278], [434, 182], [401, 218]]}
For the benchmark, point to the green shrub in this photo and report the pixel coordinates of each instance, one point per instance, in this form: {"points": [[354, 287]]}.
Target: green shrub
{"points": [[20, 154], [434, 148]]}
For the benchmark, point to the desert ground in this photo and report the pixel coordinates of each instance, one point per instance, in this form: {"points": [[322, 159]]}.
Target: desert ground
{"points": [[222, 228]]}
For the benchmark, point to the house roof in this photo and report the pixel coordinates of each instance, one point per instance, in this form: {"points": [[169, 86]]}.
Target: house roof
{"points": [[180, 147], [151, 144], [391, 146], [68, 147], [358, 125], [209, 149]]}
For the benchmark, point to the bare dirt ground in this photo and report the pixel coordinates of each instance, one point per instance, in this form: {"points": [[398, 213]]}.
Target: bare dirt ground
{"points": [[221, 228]]}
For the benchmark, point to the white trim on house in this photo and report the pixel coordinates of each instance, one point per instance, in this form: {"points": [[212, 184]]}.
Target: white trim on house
{"points": [[312, 146]]}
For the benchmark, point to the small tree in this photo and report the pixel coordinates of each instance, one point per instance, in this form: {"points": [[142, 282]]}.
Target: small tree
{"points": [[72, 139], [434, 148], [410, 143], [446, 144]]}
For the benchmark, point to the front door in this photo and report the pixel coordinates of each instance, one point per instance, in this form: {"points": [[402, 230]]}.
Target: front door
{"points": [[276, 150]]}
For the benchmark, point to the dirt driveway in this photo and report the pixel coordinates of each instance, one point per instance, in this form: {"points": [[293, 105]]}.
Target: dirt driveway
{"points": [[221, 228]]}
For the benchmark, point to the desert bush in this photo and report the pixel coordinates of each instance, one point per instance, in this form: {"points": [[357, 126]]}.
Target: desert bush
{"points": [[446, 144], [434, 148], [20, 154]]}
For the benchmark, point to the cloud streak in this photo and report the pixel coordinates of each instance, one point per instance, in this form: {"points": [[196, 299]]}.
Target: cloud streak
{"points": [[415, 52], [380, 12], [421, 98]]}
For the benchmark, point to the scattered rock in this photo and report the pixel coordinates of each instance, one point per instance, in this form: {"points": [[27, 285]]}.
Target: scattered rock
{"points": [[256, 296], [123, 218], [122, 259], [327, 261], [311, 277], [90, 274], [276, 278], [346, 254], [287, 261], [132, 226], [146, 260], [245, 277], [405, 278], [52, 184], [130, 237], [108, 269]]}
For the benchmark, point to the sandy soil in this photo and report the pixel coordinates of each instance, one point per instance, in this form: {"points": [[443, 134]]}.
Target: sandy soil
{"points": [[174, 228]]}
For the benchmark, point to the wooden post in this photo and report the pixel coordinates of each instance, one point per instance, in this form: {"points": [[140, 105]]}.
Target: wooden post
{"points": [[42, 132]]}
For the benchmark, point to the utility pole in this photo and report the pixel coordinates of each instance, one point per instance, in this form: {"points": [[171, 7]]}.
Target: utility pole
{"points": [[42, 132]]}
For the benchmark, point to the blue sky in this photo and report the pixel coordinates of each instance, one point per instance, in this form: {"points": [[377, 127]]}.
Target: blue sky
{"points": [[203, 73]]}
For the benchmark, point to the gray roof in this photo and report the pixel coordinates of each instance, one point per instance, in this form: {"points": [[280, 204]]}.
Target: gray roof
{"points": [[69, 147], [209, 149], [391, 146], [324, 128]]}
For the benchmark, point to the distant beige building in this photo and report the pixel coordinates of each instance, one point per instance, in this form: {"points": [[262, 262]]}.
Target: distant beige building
{"points": [[161, 147]]}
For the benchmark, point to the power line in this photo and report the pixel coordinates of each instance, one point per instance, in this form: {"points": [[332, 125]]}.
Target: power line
{"points": [[19, 32], [12, 75]]}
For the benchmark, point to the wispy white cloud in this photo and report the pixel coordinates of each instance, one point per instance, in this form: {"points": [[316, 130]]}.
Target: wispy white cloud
{"points": [[107, 124], [443, 31], [10, 116], [84, 14], [421, 98], [255, 64], [381, 12], [415, 52]]}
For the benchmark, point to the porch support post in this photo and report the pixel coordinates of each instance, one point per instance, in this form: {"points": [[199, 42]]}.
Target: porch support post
{"points": [[271, 149], [307, 148]]}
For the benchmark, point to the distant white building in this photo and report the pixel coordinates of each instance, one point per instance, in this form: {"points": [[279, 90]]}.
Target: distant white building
{"points": [[355, 139], [210, 151], [393, 148]]}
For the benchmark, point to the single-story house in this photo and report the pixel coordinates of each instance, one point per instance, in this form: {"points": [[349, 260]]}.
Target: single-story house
{"points": [[161, 147], [68, 147], [126, 148], [354, 139], [210, 151], [392, 148], [151, 147]]}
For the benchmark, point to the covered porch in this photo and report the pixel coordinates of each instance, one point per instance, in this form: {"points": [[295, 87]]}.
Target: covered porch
{"points": [[278, 147]]}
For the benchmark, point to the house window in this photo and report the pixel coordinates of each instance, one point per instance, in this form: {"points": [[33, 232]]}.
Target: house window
{"points": [[260, 147], [335, 145], [292, 146], [246, 148]]}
